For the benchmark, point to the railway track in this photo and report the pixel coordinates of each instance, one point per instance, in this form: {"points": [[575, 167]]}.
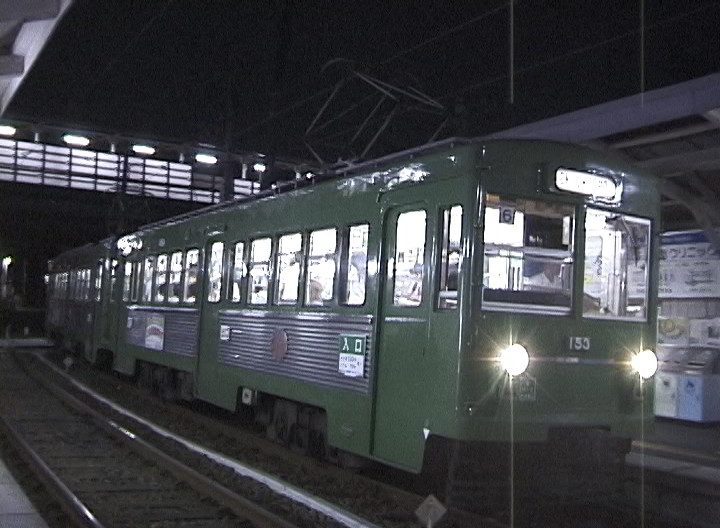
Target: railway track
{"points": [[320, 487], [104, 475]]}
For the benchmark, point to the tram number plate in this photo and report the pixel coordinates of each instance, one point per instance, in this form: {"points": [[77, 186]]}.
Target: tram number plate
{"points": [[578, 343], [523, 389]]}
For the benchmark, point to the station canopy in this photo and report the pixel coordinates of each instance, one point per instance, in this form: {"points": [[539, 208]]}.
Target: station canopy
{"points": [[25, 27]]}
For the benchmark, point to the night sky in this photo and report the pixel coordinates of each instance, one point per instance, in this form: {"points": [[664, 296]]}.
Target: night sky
{"points": [[260, 71]]}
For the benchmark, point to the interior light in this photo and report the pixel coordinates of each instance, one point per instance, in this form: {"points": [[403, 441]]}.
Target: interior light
{"points": [[76, 141], [6, 262], [7, 130], [645, 363], [143, 149], [259, 167], [209, 159], [515, 359]]}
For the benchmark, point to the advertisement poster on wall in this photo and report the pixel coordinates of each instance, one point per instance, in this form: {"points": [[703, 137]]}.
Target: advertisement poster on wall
{"points": [[689, 266]]}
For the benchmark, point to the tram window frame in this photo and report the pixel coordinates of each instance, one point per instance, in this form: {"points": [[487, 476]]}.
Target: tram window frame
{"points": [[175, 273], [416, 295], [87, 284], [529, 234], [252, 264], [313, 295], [215, 271], [616, 278], [99, 268], [448, 297], [160, 279], [238, 272], [114, 268], [289, 268], [136, 280], [192, 259], [148, 279], [127, 280], [354, 258]]}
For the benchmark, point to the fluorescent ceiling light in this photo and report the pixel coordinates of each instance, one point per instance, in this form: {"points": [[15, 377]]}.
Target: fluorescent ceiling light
{"points": [[143, 149], [206, 158], [259, 167], [7, 130], [76, 141]]}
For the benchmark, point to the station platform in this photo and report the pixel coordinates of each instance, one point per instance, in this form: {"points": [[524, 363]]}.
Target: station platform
{"points": [[680, 448], [16, 510]]}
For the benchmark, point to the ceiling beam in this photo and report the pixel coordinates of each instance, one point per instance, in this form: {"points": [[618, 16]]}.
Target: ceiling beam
{"points": [[706, 159], [675, 133]]}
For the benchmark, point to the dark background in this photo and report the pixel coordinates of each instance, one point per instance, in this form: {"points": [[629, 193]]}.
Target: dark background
{"points": [[256, 73]]}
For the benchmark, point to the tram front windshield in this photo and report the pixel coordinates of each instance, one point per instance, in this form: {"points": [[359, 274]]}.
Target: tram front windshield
{"points": [[530, 259]]}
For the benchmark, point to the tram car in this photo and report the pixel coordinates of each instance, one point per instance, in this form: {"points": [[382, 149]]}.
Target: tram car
{"points": [[482, 292]]}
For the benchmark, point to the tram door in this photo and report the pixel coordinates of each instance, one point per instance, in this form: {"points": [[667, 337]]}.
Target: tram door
{"points": [[418, 318], [110, 305], [210, 296], [405, 298]]}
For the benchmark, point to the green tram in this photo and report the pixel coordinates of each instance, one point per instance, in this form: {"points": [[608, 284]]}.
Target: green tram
{"points": [[481, 291]]}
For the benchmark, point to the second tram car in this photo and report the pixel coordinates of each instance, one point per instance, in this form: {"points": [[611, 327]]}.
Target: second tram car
{"points": [[478, 291]]}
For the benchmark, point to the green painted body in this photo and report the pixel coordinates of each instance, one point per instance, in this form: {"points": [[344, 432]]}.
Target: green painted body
{"points": [[433, 372]]}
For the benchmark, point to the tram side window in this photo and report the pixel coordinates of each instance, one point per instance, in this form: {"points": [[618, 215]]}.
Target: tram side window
{"points": [[528, 255], [136, 280], [127, 281], [238, 272], [192, 261], [322, 265], [175, 277], [87, 283], [215, 272], [98, 280], [356, 269], [450, 257], [114, 266], [409, 258], [289, 261], [149, 271], [160, 287], [259, 270], [617, 249]]}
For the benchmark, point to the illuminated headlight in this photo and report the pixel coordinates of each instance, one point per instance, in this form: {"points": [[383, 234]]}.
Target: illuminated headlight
{"points": [[515, 359], [645, 363]]}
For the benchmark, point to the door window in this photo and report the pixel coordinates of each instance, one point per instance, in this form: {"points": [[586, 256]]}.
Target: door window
{"points": [[450, 257], [408, 264]]}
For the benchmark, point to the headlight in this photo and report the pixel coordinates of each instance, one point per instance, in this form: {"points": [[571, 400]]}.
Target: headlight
{"points": [[645, 363], [515, 359]]}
